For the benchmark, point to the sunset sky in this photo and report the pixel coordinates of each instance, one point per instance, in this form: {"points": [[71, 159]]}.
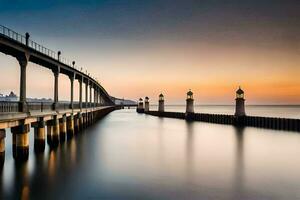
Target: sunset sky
{"points": [[140, 48]]}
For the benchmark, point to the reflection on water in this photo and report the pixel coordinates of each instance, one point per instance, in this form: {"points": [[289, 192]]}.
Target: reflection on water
{"points": [[133, 156], [239, 165]]}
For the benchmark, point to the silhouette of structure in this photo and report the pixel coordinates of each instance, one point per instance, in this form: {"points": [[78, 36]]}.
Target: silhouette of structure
{"points": [[140, 108], [161, 103], [240, 103], [59, 118], [189, 105], [147, 104], [238, 119]]}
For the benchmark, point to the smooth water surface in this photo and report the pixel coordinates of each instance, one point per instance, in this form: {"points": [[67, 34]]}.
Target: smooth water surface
{"points": [[135, 156]]}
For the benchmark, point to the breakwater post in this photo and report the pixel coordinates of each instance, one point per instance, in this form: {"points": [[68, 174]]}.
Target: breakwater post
{"points": [[238, 119], [140, 108], [146, 104], [161, 103], [239, 107], [189, 113]]}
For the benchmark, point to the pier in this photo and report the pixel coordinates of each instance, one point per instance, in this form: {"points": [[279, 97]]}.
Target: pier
{"points": [[55, 121], [238, 119]]}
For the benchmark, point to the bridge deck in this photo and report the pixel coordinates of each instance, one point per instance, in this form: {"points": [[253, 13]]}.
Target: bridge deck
{"points": [[12, 119]]}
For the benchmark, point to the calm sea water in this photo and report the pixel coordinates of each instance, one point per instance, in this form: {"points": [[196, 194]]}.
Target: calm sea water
{"points": [[134, 156]]}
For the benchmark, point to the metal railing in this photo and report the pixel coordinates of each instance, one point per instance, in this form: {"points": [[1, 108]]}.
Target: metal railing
{"points": [[37, 47], [6, 32], [9, 106], [39, 106], [13, 106]]}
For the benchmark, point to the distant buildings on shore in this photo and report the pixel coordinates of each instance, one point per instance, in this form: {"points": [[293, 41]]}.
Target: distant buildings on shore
{"points": [[124, 102], [13, 97]]}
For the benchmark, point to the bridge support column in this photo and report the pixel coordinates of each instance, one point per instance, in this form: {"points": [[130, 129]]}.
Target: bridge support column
{"points": [[89, 117], [56, 74], [72, 90], [86, 94], [86, 119], [76, 123], [80, 93], [90, 96], [80, 119], [21, 141], [53, 132], [2, 146], [55, 136], [23, 61], [49, 133], [97, 99], [95, 96], [70, 126], [83, 116], [62, 128], [39, 136]]}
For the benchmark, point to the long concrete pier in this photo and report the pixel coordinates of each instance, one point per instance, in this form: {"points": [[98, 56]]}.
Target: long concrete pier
{"points": [[238, 119], [252, 121], [56, 121], [53, 127]]}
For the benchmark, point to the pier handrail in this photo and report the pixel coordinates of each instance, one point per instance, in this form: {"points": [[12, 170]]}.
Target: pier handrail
{"points": [[34, 45], [17, 37]]}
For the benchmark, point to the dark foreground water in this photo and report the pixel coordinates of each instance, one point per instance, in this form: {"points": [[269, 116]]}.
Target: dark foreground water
{"points": [[133, 156]]}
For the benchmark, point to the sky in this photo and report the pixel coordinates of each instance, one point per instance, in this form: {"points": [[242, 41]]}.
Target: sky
{"points": [[141, 48]]}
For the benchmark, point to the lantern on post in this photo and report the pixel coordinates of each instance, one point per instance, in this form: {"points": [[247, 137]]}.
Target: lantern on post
{"points": [[240, 103], [146, 104], [161, 103], [140, 107], [189, 102]]}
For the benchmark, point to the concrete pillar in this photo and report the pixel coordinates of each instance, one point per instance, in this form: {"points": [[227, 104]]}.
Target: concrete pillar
{"points": [[56, 74], [189, 102], [2, 146], [62, 128], [161, 103], [55, 136], [86, 93], [23, 61], [90, 104], [81, 122], [95, 96], [91, 120], [100, 101], [76, 124], [39, 136], [146, 104], [80, 93], [88, 118], [72, 91], [240, 103], [49, 133], [53, 132], [140, 108], [21, 140], [70, 126]]}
